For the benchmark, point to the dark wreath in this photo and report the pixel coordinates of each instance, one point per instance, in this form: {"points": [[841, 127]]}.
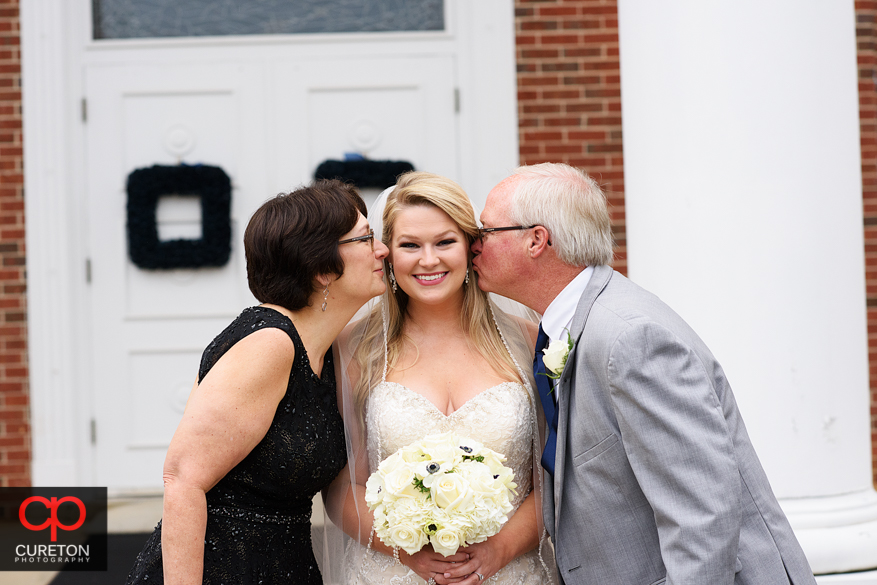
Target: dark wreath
{"points": [[146, 186], [364, 173]]}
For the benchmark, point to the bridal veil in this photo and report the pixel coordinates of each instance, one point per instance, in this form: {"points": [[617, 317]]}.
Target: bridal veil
{"points": [[361, 362]]}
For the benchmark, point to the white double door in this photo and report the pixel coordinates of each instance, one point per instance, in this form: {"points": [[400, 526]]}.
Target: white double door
{"points": [[267, 118]]}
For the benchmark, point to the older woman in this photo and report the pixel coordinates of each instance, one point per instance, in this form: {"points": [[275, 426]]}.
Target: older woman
{"points": [[261, 434]]}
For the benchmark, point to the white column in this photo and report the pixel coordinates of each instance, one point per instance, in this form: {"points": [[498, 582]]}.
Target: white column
{"points": [[744, 213], [56, 325]]}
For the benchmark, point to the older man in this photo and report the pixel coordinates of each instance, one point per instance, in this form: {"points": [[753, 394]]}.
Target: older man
{"points": [[651, 476]]}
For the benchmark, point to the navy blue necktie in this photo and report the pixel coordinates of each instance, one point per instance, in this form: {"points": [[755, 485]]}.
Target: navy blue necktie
{"points": [[549, 401]]}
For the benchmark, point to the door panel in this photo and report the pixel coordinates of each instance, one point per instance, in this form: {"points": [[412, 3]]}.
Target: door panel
{"points": [[150, 326], [385, 108]]}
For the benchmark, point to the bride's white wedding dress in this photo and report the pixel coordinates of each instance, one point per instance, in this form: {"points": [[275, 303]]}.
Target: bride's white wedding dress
{"points": [[500, 417]]}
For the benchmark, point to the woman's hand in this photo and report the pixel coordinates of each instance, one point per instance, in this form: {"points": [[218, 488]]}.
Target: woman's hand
{"points": [[429, 564], [485, 560]]}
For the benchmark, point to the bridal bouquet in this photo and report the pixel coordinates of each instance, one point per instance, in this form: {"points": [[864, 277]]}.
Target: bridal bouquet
{"points": [[445, 489]]}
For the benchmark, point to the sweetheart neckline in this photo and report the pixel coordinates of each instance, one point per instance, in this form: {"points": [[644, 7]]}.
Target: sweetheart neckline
{"points": [[462, 406]]}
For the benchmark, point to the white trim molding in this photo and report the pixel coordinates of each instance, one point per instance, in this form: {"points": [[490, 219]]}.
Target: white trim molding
{"points": [[50, 106]]}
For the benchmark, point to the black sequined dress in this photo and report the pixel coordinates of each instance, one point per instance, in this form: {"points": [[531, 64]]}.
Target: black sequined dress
{"points": [[259, 514]]}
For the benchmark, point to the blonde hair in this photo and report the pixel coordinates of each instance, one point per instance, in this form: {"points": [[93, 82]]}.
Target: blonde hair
{"points": [[476, 318], [570, 205]]}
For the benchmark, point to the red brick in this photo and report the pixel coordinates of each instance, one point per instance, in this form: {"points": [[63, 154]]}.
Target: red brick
{"points": [[559, 39], [581, 24], [560, 67], [601, 65], [587, 135], [604, 121], [543, 136], [541, 108], [604, 148], [540, 54], [556, 122], [543, 25], [557, 11], [602, 9], [576, 52], [538, 80], [563, 148], [581, 79], [584, 107], [8, 414], [562, 94]]}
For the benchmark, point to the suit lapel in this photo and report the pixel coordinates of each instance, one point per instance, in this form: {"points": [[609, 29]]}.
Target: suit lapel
{"points": [[599, 279]]}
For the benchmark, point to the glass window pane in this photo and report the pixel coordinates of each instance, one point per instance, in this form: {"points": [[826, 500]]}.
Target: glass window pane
{"points": [[126, 19]]}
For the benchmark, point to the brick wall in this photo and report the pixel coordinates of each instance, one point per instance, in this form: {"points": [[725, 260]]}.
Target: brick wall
{"points": [[569, 93], [15, 453], [866, 33]]}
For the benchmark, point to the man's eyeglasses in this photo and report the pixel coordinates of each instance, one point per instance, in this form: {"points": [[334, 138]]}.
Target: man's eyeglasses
{"points": [[370, 237], [484, 231]]}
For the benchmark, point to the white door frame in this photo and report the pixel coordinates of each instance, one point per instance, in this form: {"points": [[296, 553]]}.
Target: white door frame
{"points": [[56, 46]]}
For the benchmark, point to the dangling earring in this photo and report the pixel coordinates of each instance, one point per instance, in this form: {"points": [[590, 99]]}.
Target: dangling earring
{"points": [[466, 280], [393, 279], [325, 298]]}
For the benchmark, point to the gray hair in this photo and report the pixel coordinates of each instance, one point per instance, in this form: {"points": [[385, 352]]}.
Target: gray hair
{"points": [[570, 205]]}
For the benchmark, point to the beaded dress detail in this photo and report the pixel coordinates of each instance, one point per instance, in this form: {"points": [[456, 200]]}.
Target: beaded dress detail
{"points": [[259, 514], [500, 417]]}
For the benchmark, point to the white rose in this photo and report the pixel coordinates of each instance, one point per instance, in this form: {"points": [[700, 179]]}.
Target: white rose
{"points": [[407, 537], [441, 448], [493, 460], [411, 453], [391, 463], [397, 480], [556, 355], [446, 541], [482, 482], [451, 492]]}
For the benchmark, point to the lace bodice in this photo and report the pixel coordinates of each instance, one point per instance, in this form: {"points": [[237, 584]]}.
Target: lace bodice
{"points": [[499, 417]]}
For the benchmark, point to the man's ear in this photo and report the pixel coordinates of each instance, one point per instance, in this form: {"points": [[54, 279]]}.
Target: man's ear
{"points": [[540, 239]]}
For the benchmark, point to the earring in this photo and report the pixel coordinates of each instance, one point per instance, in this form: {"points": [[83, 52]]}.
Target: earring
{"points": [[393, 279], [325, 298], [466, 280]]}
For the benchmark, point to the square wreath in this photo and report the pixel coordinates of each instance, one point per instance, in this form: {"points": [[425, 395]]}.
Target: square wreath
{"points": [[146, 186]]}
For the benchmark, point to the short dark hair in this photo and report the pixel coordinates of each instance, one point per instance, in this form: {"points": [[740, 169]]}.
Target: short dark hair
{"points": [[293, 237]]}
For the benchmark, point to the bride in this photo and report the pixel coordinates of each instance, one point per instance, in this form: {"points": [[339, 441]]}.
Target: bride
{"points": [[435, 354]]}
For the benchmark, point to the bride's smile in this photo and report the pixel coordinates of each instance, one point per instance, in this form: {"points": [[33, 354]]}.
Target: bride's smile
{"points": [[429, 254]]}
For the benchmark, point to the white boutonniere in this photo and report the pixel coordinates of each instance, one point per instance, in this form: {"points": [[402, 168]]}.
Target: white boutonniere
{"points": [[555, 356]]}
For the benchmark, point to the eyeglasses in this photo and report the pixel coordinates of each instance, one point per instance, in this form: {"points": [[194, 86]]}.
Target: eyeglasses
{"points": [[484, 231], [370, 237]]}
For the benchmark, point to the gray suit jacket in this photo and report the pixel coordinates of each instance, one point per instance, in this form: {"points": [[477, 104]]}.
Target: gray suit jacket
{"points": [[656, 480]]}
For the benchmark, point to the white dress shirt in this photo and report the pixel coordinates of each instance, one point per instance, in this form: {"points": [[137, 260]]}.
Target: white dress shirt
{"points": [[558, 316]]}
